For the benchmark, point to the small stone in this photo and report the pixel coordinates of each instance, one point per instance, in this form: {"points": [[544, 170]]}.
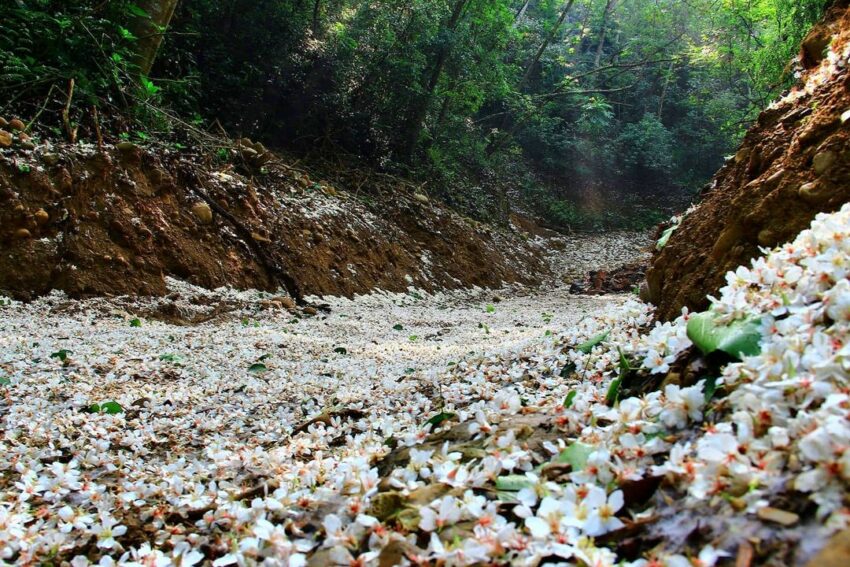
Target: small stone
{"points": [[421, 198], [259, 237], [28, 145], [777, 516], [50, 159], [41, 217], [287, 302], [203, 212], [813, 193], [4, 122], [310, 310], [126, 146], [23, 233], [823, 161], [24, 137], [5, 139], [17, 124], [743, 154], [767, 237]]}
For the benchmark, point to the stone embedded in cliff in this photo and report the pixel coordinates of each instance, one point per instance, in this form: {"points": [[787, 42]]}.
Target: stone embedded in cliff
{"points": [[41, 217], [17, 124], [823, 161], [814, 193], [23, 233], [203, 212], [5, 139]]}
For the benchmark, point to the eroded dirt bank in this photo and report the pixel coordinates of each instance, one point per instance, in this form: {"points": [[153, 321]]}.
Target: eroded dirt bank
{"points": [[794, 163], [119, 220]]}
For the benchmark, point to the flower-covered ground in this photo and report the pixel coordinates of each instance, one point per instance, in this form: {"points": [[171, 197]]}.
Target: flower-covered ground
{"points": [[448, 429]]}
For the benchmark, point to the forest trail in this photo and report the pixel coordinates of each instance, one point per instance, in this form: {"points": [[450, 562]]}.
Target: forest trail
{"points": [[361, 344]]}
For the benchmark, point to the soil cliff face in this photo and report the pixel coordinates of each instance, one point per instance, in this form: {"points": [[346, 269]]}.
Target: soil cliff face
{"points": [[118, 220], [793, 164]]}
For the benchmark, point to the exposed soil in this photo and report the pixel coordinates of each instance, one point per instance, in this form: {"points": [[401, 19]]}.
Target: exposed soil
{"points": [[118, 221], [793, 164]]}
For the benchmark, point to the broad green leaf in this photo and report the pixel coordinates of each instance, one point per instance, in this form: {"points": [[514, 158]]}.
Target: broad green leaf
{"points": [[398, 327], [137, 11], [665, 237], [257, 368], [61, 354], [613, 391], [737, 339], [111, 408], [571, 396], [441, 417], [513, 482], [136, 322], [576, 455], [586, 347], [5, 381], [491, 308]]}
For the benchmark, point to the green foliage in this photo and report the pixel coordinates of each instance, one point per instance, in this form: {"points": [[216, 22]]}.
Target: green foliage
{"points": [[588, 346], [445, 90], [737, 338], [110, 408]]}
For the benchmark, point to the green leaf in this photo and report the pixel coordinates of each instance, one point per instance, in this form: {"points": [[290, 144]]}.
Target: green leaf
{"points": [[737, 339], [341, 350], [571, 396], [257, 368], [137, 11], [710, 388], [665, 237], [170, 357], [61, 354], [413, 338], [576, 455], [491, 308], [136, 322], [398, 327], [111, 408], [513, 482], [5, 381], [613, 391], [587, 346], [568, 369], [440, 418]]}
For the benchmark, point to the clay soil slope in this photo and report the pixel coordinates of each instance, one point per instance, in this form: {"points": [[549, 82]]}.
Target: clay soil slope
{"points": [[793, 164], [93, 221]]}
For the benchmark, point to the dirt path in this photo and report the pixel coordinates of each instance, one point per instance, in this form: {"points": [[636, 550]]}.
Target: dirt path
{"points": [[241, 385]]}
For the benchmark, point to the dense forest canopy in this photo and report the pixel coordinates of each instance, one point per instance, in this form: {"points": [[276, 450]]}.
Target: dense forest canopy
{"points": [[560, 104]]}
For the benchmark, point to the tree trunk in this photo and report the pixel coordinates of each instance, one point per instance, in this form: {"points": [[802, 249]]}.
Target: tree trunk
{"points": [[521, 14], [499, 140], [664, 89], [150, 30], [416, 116], [540, 50], [609, 8], [317, 8]]}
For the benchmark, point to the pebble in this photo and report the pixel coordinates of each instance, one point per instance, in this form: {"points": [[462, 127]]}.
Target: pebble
{"points": [[41, 217], [777, 516], [5, 139], [203, 212], [17, 124]]}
